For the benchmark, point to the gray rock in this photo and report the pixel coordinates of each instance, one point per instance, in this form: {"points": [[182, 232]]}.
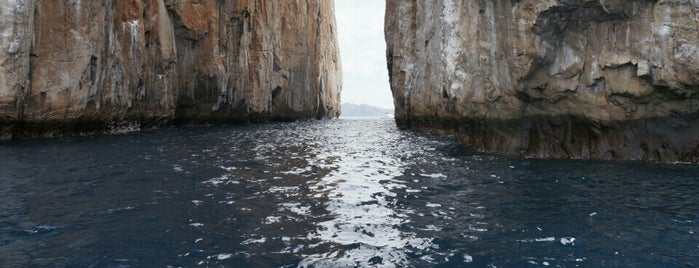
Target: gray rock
{"points": [[587, 79]]}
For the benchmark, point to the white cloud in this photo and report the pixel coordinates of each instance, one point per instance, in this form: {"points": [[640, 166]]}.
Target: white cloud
{"points": [[363, 52]]}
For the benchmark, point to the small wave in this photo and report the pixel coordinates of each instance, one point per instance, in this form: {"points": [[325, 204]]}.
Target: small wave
{"points": [[254, 241], [222, 256], [470, 227], [114, 210], [280, 189], [543, 239], [272, 220], [297, 171], [434, 176], [296, 208], [43, 228], [221, 180], [362, 256], [228, 168], [568, 241], [177, 168], [433, 205], [468, 258], [431, 228]]}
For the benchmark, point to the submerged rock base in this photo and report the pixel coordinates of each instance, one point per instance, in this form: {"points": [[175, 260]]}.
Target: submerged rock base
{"points": [[654, 139]]}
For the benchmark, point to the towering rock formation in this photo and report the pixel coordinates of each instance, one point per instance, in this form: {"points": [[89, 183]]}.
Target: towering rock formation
{"points": [[591, 79], [89, 65]]}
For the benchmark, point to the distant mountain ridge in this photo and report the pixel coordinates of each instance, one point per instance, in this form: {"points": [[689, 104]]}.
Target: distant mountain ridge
{"points": [[363, 110]]}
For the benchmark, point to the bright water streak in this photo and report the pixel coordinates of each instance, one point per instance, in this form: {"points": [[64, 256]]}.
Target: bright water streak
{"points": [[332, 193]]}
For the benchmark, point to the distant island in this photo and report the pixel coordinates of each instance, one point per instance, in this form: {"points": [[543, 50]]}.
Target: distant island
{"points": [[364, 110]]}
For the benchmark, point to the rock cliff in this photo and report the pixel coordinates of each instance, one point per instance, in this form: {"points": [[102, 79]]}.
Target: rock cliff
{"points": [[591, 79], [73, 65]]}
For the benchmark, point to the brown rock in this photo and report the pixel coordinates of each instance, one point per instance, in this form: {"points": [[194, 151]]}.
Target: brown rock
{"points": [[555, 78], [68, 66]]}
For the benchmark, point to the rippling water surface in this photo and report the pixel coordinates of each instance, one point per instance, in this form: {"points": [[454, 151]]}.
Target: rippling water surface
{"points": [[341, 193]]}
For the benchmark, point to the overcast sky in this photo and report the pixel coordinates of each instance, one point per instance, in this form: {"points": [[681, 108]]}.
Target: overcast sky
{"points": [[363, 52]]}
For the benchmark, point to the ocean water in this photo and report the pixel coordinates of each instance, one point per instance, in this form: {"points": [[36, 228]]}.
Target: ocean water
{"points": [[337, 193]]}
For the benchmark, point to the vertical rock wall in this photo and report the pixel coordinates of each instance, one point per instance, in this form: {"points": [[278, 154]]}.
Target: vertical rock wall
{"points": [[588, 79], [75, 65]]}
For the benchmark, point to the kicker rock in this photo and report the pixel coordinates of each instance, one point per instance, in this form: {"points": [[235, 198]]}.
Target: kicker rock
{"points": [[588, 79], [71, 66]]}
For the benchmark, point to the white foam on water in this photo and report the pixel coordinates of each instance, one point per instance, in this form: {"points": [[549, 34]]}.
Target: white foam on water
{"points": [[433, 176], [468, 258], [476, 229], [543, 239], [254, 241], [272, 220], [228, 168], [297, 171], [41, 229], [222, 180], [224, 256], [431, 228], [177, 168], [296, 208], [282, 189], [567, 241]]}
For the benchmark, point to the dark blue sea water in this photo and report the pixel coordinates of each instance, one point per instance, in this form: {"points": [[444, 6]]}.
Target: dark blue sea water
{"points": [[340, 193]]}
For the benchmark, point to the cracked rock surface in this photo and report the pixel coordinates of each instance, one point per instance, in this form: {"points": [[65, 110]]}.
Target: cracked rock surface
{"points": [[83, 66], [588, 79]]}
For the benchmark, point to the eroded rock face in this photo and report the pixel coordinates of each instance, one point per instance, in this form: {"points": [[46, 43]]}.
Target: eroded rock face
{"points": [[588, 79], [77, 65]]}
